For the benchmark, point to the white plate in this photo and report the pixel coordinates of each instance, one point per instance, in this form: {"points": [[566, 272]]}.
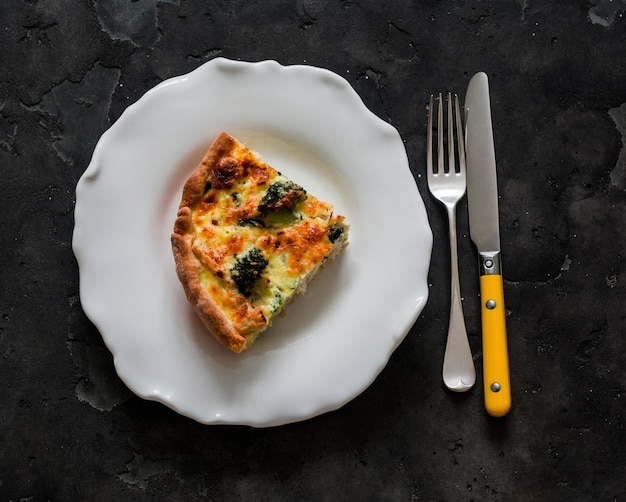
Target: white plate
{"points": [[311, 125]]}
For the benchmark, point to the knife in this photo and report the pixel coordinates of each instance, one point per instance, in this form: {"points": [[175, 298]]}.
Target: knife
{"points": [[482, 200]]}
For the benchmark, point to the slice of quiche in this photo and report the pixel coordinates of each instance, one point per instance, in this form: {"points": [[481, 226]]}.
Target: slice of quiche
{"points": [[247, 240]]}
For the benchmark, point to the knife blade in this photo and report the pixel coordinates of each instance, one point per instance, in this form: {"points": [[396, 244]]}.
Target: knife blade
{"points": [[482, 199]]}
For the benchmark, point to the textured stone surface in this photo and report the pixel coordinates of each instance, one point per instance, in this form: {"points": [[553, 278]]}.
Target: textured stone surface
{"points": [[70, 430]]}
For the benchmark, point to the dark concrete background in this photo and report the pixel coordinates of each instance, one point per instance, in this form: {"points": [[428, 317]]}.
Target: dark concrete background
{"points": [[70, 430]]}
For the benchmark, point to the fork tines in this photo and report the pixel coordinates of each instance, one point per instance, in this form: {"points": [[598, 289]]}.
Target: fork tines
{"points": [[452, 166], [448, 185]]}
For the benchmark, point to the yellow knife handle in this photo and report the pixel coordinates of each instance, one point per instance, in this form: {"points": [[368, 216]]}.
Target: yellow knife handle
{"points": [[496, 380]]}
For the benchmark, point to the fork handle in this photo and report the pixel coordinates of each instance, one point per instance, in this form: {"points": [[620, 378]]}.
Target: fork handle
{"points": [[496, 379], [459, 374]]}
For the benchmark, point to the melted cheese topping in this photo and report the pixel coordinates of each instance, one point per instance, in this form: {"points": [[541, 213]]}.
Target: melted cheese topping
{"points": [[258, 237]]}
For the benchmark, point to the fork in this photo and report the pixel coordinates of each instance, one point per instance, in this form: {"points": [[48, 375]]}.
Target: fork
{"points": [[448, 187]]}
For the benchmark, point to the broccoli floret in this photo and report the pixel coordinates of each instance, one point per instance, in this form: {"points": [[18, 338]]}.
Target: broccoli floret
{"points": [[251, 222], [279, 300], [281, 195], [247, 271], [334, 233]]}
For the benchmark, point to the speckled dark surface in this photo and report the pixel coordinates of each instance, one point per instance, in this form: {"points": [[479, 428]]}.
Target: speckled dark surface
{"points": [[70, 430]]}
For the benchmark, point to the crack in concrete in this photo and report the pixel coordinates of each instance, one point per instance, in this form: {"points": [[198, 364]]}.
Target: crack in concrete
{"points": [[38, 31], [618, 174], [136, 21], [204, 55], [68, 106], [400, 43], [604, 12], [140, 470], [307, 13], [96, 383], [549, 281], [364, 79], [8, 132], [94, 386], [524, 6]]}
